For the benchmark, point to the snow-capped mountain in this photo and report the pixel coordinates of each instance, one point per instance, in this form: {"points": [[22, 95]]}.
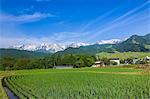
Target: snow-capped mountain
{"points": [[113, 41], [43, 47], [52, 47], [29, 47], [47, 47], [77, 45]]}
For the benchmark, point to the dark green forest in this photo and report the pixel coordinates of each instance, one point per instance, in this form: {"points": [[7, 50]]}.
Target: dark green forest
{"points": [[77, 61]]}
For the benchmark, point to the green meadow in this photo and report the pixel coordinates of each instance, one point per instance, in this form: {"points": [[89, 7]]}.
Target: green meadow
{"points": [[82, 83], [124, 55]]}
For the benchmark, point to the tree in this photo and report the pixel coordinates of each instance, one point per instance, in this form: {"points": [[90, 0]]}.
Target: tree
{"points": [[79, 63], [21, 64], [7, 63], [37, 64], [106, 61], [89, 61]]}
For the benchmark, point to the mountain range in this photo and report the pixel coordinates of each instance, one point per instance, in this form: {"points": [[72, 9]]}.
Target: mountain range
{"points": [[53, 48], [135, 43]]}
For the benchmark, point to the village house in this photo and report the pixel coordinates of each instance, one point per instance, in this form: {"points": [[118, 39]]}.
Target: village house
{"points": [[135, 60], [99, 64], [115, 60], [147, 59]]}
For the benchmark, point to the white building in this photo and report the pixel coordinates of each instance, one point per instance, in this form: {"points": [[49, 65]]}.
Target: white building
{"points": [[99, 64], [147, 59], [115, 60], [135, 60]]}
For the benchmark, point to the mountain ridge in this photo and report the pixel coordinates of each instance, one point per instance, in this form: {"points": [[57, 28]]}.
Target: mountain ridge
{"points": [[21, 53], [53, 47], [134, 44]]}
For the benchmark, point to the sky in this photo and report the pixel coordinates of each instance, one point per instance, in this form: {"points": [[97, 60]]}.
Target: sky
{"points": [[67, 21]]}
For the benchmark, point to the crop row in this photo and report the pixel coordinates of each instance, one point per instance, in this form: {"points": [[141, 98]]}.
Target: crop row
{"points": [[77, 85]]}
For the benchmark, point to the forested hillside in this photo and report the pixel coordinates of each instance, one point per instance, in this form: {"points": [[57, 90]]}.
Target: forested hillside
{"points": [[134, 44], [21, 53]]}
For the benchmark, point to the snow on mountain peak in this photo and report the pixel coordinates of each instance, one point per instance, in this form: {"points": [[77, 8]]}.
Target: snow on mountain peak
{"points": [[41, 47], [77, 45], [29, 47], [112, 41], [53, 47]]}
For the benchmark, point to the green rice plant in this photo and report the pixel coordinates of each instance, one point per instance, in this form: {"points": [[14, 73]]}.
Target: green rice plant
{"points": [[79, 84]]}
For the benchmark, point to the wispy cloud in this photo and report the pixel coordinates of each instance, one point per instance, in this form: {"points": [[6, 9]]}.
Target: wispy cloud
{"points": [[120, 21], [26, 10], [24, 17], [66, 37], [129, 13], [97, 19]]}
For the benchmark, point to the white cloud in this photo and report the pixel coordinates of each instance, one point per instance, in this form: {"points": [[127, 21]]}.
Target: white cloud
{"points": [[24, 17]]}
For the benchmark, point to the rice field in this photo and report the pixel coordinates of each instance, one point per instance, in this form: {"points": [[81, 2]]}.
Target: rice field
{"points": [[87, 83]]}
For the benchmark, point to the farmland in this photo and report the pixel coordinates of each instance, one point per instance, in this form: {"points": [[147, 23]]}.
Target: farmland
{"points": [[80, 83], [124, 55]]}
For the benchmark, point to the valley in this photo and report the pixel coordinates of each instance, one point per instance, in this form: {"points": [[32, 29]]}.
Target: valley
{"points": [[74, 49]]}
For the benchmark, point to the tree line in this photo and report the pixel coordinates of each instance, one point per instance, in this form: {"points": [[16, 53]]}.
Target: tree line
{"points": [[77, 61]]}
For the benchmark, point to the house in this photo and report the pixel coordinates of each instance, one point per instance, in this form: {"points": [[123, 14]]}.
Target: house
{"points": [[126, 62], [115, 61], [135, 60], [63, 67], [99, 64], [147, 59]]}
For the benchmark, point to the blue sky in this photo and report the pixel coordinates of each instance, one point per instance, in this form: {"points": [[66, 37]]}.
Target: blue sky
{"points": [[67, 21]]}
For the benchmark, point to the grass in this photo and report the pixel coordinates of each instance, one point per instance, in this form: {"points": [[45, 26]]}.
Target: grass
{"points": [[124, 55], [80, 83]]}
